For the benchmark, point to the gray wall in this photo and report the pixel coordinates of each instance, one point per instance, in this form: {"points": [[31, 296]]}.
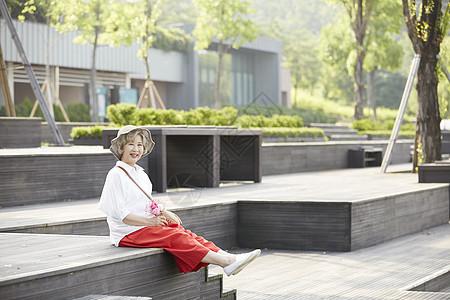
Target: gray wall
{"points": [[285, 158], [165, 66], [379, 220], [185, 96], [267, 76], [47, 136], [20, 132]]}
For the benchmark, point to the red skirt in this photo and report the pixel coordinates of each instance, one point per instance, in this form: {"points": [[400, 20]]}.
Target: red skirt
{"points": [[187, 248]]}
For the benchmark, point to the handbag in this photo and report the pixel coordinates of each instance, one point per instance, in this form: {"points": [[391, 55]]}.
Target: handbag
{"points": [[170, 216]]}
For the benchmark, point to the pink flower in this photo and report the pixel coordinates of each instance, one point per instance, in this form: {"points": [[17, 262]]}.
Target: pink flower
{"points": [[154, 208]]}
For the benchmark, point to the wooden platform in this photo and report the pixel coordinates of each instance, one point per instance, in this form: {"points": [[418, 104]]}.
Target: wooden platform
{"points": [[64, 267], [436, 172], [396, 270], [341, 210]]}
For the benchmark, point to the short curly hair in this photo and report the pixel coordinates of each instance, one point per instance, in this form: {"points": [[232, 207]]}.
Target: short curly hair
{"points": [[129, 137]]}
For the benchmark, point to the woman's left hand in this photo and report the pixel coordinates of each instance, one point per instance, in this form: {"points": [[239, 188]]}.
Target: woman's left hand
{"points": [[171, 217]]}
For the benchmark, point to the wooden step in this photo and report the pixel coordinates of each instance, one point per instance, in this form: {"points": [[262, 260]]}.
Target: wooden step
{"points": [[109, 297], [67, 267]]}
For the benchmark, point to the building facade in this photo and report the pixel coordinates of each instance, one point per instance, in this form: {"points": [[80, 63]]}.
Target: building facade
{"points": [[183, 80]]}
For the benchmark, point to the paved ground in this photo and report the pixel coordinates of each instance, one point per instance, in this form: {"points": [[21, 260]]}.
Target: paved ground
{"points": [[381, 272]]}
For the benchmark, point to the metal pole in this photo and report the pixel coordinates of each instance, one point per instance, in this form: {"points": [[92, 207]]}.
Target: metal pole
{"points": [[401, 112], [34, 84]]}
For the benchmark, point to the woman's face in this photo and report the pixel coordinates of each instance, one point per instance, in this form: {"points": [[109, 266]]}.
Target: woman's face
{"points": [[133, 150]]}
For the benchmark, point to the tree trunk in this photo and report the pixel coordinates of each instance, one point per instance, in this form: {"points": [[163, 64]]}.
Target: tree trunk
{"points": [[217, 100], [295, 95], [93, 93], [359, 27], [359, 87], [93, 83], [47, 72], [371, 92], [428, 118], [426, 41]]}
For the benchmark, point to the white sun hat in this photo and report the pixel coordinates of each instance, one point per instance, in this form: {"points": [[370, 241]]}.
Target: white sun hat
{"points": [[148, 144]]}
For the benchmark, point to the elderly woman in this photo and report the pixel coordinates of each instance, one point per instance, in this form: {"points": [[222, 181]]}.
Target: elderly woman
{"points": [[135, 219]]}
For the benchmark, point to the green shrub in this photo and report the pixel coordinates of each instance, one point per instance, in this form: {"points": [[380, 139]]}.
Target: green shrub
{"points": [[92, 131], [248, 121], [24, 109], [171, 117], [292, 132], [77, 112], [192, 117], [146, 116], [378, 125], [364, 124], [288, 121], [408, 127], [387, 133], [226, 116], [122, 114]]}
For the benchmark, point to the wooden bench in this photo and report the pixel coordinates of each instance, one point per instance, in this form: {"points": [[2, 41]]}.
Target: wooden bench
{"points": [[67, 267], [365, 157], [200, 156], [438, 172]]}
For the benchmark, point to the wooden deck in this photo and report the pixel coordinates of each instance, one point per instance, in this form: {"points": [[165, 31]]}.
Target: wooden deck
{"points": [[34, 266], [292, 211], [385, 271], [301, 208]]}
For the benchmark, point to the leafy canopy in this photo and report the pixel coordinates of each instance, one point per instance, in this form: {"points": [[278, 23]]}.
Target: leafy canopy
{"points": [[108, 18], [224, 20]]}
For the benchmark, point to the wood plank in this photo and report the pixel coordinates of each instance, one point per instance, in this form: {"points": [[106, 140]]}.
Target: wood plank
{"points": [[383, 272], [58, 266]]}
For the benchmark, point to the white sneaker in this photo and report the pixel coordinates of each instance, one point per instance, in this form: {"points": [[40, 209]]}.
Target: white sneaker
{"points": [[242, 260]]}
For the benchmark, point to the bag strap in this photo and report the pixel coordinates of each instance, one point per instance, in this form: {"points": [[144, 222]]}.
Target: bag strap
{"points": [[151, 199]]}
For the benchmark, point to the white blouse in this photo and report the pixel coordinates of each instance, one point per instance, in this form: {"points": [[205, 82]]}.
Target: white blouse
{"points": [[121, 196]]}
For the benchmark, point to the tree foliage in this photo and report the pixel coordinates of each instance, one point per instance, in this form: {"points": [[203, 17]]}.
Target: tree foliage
{"points": [[99, 22], [376, 48], [226, 21], [359, 13], [300, 51]]}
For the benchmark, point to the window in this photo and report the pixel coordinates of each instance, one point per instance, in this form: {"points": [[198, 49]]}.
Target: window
{"points": [[236, 78]]}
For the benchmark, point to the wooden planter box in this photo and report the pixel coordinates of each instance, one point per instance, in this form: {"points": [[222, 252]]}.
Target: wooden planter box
{"points": [[291, 139], [88, 141], [20, 132], [200, 156]]}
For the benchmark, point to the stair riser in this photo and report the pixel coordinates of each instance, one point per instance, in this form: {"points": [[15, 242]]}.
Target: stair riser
{"points": [[153, 276]]}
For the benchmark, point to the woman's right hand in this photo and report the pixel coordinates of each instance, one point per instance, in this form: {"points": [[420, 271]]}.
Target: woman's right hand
{"points": [[132, 219], [158, 221]]}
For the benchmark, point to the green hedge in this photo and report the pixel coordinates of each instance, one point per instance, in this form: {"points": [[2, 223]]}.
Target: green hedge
{"points": [[406, 134], [124, 114], [86, 131], [374, 125], [292, 132], [247, 121]]}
